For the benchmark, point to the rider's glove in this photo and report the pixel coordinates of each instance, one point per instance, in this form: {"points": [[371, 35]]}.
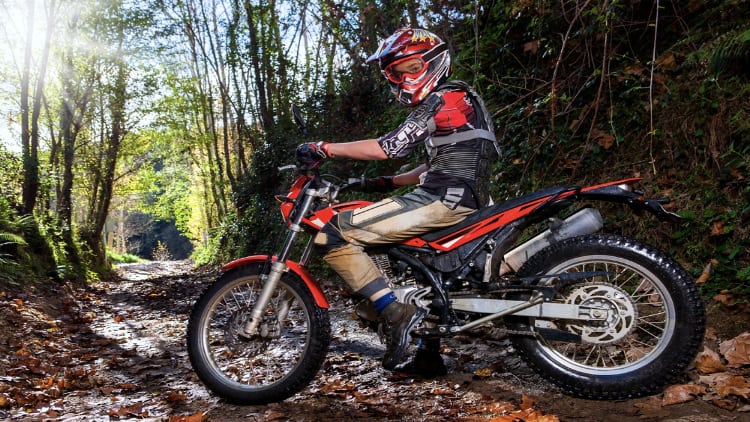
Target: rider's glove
{"points": [[377, 184], [312, 153]]}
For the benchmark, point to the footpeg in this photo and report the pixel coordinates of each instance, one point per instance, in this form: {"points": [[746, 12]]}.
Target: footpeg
{"points": [[431, 332]]}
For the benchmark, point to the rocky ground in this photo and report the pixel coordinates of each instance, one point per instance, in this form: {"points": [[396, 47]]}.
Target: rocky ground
{"points": [[115, 350]]}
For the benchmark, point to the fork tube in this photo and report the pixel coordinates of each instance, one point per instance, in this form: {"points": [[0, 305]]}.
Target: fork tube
{"points": [[295, 228], [306, 252], [278, 268]]}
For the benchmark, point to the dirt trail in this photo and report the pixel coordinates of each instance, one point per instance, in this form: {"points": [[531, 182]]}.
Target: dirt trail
{"points": [[115, 350]]}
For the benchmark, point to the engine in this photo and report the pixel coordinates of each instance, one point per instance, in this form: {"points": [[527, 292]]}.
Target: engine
{"points": [[400, 277]]}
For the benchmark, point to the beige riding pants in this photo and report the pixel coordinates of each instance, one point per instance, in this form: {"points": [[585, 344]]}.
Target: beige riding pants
{"points": [[343, 239]]}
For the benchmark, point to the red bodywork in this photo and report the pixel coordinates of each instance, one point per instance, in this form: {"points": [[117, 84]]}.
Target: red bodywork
{"points": [[453, 240], [312, 284], [317, 220]]}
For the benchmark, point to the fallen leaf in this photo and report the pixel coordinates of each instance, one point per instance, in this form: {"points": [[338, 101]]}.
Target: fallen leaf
{"points": [[500, 407], [724, 404], [135, 409], [703, 278], [528, 415], [714, 379], [737, 350], [717, 228], [736, 174], [725, 298], [682, 393], [483, 372], [666, 61], [635, 70], [711, 333], [526, 402], [274, 415], [196, 417], [606, 140], [176, 396], [734, 386], [709, 362], [336, 386], [370, 399], [127, 386], [531, 47]]}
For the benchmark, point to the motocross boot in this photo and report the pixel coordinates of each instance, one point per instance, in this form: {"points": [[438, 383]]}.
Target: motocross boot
{"points": [[427, 363], [400, 319]]}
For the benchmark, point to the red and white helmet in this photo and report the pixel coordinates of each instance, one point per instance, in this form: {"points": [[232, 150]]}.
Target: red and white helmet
{"points": [[411, 43]]}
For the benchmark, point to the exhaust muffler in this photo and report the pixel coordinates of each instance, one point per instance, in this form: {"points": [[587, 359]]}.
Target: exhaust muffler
{"points": [[585, 221]]}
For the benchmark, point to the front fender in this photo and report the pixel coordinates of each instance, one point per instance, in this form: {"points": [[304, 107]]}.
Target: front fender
{"points": [[296, 268]]}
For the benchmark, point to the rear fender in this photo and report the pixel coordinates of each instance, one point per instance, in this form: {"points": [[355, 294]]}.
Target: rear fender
{"points": [[296, 268], [623, 192]]}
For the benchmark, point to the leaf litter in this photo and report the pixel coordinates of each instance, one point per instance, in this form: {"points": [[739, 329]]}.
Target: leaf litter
{"points": [[115, 350]]}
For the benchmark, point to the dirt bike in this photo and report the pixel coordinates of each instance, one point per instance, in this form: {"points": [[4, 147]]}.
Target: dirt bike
{"points": [[600, 315]]}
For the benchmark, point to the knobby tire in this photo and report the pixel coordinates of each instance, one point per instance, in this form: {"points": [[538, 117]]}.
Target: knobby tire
{"points": [[662, 363], [262, 368]]}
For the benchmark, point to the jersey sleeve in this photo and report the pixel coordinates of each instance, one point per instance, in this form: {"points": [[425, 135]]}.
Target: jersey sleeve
{"points": [[414, 130]]}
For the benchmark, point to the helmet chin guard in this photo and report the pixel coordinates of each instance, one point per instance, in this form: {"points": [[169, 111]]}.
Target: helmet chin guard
{"points": [[406, 43]]}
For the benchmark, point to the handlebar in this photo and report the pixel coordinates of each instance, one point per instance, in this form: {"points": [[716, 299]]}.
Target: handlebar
{"points": [[334, 183]]}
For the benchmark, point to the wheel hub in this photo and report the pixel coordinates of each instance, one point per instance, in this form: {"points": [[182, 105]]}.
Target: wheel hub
{"points": [[611, 307]]}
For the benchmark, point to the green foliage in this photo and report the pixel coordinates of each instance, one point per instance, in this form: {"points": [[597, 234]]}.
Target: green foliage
{"points": [[208, 253], [10, 177], [17, 260], [161, 252], [732, 52], [124, 258], [576, 96], [9, 265]]}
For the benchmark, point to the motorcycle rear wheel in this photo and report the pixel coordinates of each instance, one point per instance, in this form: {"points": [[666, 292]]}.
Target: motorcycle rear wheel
{"points": [[271, 365], [653, 329]]}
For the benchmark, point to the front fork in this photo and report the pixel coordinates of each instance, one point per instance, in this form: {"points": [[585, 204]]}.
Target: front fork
{"points": [[269, 286], [278, 268]]}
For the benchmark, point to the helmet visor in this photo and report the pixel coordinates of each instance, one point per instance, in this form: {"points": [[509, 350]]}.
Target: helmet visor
{"points": [[411, 67]]}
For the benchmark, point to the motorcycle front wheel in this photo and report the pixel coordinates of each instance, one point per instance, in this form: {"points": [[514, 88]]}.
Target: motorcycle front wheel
{"points": [[647, 319], [271, 364]]}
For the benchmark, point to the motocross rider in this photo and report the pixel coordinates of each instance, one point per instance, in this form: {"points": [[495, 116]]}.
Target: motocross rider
{"points": [[450, 119]]}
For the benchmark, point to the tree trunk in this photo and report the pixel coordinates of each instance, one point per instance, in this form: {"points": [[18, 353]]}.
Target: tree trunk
{"points": [[74, 106], [266, 117], [103, 196], [28, 149]]}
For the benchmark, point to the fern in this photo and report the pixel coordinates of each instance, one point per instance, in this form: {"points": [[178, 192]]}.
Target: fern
{"points": [[11, 239], [9, 265], [732, 50]]}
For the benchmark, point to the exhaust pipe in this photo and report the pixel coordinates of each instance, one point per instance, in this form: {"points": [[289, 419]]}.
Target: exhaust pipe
{"points": [[585, 221]]}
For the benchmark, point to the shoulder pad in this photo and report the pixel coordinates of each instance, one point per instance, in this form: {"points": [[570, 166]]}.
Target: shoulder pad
{"points": [[454, 86]]}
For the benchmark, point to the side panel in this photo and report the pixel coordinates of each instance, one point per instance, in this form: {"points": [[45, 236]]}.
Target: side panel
{"points": [[323, 216], [493, 222], [301, 271]]}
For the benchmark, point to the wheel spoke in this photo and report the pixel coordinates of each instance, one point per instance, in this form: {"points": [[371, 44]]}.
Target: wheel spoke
{"points": [[281, 344], [636, 321]]}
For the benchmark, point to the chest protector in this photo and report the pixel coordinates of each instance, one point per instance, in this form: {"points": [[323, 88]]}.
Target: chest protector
{"points": [[467, 155]]}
